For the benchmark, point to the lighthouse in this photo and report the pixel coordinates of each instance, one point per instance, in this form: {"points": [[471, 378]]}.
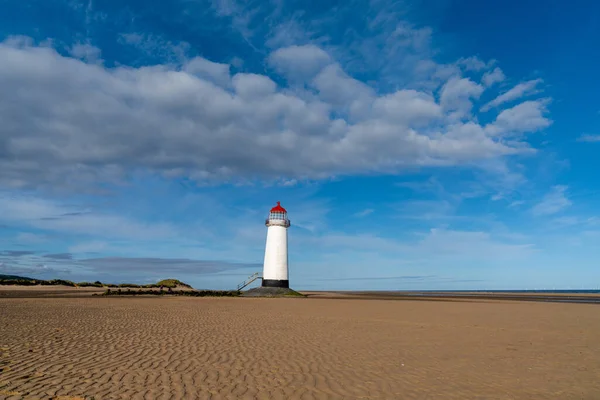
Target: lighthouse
{"points": [[275, 269]]}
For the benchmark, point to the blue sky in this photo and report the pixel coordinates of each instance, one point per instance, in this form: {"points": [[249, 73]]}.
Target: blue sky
{"points": [[416, 145]]}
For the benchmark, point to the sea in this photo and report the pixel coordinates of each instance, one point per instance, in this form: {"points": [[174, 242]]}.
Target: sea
{"points": [[544, 295]]}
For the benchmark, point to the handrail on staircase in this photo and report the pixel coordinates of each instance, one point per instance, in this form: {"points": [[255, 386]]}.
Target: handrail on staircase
{"points": [[248, 281]]}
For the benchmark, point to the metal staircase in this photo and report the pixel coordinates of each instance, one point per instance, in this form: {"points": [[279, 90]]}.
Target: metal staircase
{"points": [[248, 281]]}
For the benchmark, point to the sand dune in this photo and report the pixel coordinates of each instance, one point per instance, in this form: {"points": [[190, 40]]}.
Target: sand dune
{"points": [[236, 348]]}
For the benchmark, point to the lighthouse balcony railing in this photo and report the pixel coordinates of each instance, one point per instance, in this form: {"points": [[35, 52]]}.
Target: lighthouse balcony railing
{"points": [[277, 221]]}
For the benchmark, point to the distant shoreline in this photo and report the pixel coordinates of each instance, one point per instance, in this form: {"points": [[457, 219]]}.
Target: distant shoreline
{"points": [[583, 297]]}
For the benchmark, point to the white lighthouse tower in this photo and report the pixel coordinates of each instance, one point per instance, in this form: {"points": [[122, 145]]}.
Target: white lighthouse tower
{"points": [[275, 270]]}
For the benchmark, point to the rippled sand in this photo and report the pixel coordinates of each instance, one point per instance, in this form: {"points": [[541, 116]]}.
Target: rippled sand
{"points": [[237, 348]]}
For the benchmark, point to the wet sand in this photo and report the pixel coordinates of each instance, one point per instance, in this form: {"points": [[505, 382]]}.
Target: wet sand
{"points": [[557, 297], [311, 348]]}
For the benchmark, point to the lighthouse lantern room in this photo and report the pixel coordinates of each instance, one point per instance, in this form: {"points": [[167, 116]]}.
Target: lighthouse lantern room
{"points": [[275, 269]]}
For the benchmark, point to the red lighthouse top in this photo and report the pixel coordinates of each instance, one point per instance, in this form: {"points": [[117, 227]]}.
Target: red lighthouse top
{"points": [[278, 208]]}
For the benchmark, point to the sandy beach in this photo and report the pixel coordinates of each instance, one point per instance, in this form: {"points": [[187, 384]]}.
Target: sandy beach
{"points": [[307, 348]]}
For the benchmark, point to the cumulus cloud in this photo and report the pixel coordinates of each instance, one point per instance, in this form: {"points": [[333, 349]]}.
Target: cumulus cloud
{"points": [[299, 62], [520, 90], [457, 94], [253, 86], [528, 116], [86, 52], [553, 202], [67, 121], [211, 71], [407, 107], [491, 77]]}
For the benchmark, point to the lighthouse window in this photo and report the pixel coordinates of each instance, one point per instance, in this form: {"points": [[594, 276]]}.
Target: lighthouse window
{"points": [[277, 215]]}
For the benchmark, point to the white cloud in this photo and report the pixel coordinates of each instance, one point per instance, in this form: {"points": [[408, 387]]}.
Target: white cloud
{"points": [[299, 62], [553, 202], [528, 116], [253, 87], [589, 138], [472, 64], [208, 70], [86, 52], [70, 122], [520, 90], [491, 77], [338, 89], [408, 107], [456, 95]]}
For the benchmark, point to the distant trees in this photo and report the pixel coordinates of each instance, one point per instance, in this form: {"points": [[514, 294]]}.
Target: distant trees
{"points": [[24, 281], [34, 282]]}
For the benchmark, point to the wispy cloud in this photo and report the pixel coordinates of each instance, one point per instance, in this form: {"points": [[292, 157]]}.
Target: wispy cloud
{"points": [[589, 138], [520, 90], [470, 245], [150, 45], [31, 238], [16, 253], [35, 212], [161, 265], [40, 271], [59, 256], [88, 247], [395, 278], [553, 202], [364, 213], [118, 269]]}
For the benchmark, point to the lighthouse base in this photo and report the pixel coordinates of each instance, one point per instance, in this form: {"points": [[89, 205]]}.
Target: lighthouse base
{"points": [[271, 292], [275, 283]]}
